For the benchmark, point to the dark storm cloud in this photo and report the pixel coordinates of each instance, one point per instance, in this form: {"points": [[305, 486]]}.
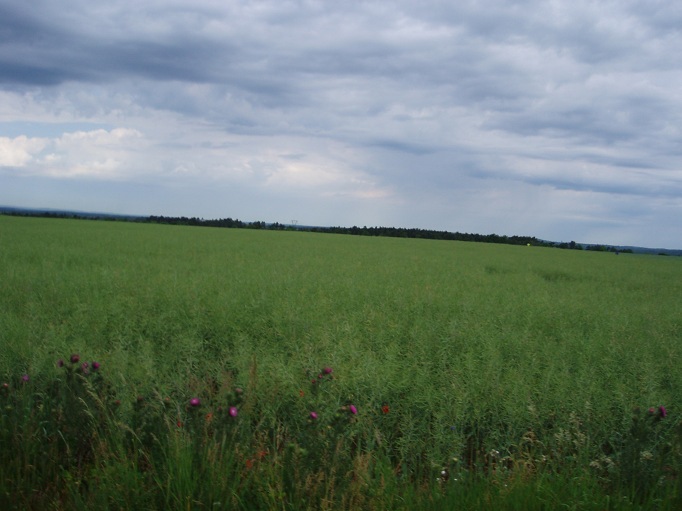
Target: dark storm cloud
{"points": [[43, 47]]}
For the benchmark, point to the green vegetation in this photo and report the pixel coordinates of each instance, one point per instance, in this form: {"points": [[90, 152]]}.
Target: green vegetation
{"points": [[484, 376]]}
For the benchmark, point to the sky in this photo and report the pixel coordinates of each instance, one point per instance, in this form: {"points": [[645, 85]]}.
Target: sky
{"points": [[555, 119]]}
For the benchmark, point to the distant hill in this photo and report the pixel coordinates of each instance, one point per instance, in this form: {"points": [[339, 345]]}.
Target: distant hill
{"points": [[398, 232], [62, 213], [658, 251]]}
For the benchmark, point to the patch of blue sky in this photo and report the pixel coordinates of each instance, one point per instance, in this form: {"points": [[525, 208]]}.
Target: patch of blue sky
{"points": [[13, 129]]}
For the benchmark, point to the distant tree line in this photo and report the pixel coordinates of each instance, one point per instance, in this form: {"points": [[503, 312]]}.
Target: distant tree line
{"points": [[401, 232], [183, 220], [221, 222], [394, 232]]}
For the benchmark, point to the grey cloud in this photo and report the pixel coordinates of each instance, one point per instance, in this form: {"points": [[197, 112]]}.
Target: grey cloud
{"points": [[610, 188], [400, 146], [64, 43]]}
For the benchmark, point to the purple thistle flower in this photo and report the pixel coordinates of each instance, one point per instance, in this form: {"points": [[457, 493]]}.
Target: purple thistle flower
{"points": [[353, 410], [95, 366], [60, 363], [662, 412], [75, 358], [313, 415], [233, 411], [327, 370], [26, 377], [195, 401]]}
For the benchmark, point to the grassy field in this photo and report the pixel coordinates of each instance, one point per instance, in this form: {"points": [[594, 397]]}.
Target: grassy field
{"points": [[230, 365]]}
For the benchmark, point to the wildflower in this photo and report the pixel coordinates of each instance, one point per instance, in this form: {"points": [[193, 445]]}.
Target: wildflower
{"points": [[60, 363], [233, 411], [646, 456], [662, 412], [75, 358], [327, 370], [26, 377], [95, 366], [385, 409], [353, 410], [313, 415], [195, 401]]}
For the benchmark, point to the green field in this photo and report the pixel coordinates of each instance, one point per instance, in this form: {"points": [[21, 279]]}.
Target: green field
{"points": [[484, 376]]}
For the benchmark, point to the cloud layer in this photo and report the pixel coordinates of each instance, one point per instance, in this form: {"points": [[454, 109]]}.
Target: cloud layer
{"points": [[555, 119]]}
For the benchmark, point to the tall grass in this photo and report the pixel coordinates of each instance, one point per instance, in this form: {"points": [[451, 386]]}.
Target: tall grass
{"points": [[484, 376]]}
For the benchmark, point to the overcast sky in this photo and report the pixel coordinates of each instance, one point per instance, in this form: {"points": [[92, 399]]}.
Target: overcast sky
{"points": [[555, 119]]}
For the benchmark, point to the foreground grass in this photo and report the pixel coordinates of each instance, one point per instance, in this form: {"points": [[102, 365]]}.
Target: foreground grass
{"points": [[483, 376]]}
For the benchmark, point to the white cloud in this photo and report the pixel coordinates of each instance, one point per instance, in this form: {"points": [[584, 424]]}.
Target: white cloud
{"points": [[98, 154], [19, 151]]}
